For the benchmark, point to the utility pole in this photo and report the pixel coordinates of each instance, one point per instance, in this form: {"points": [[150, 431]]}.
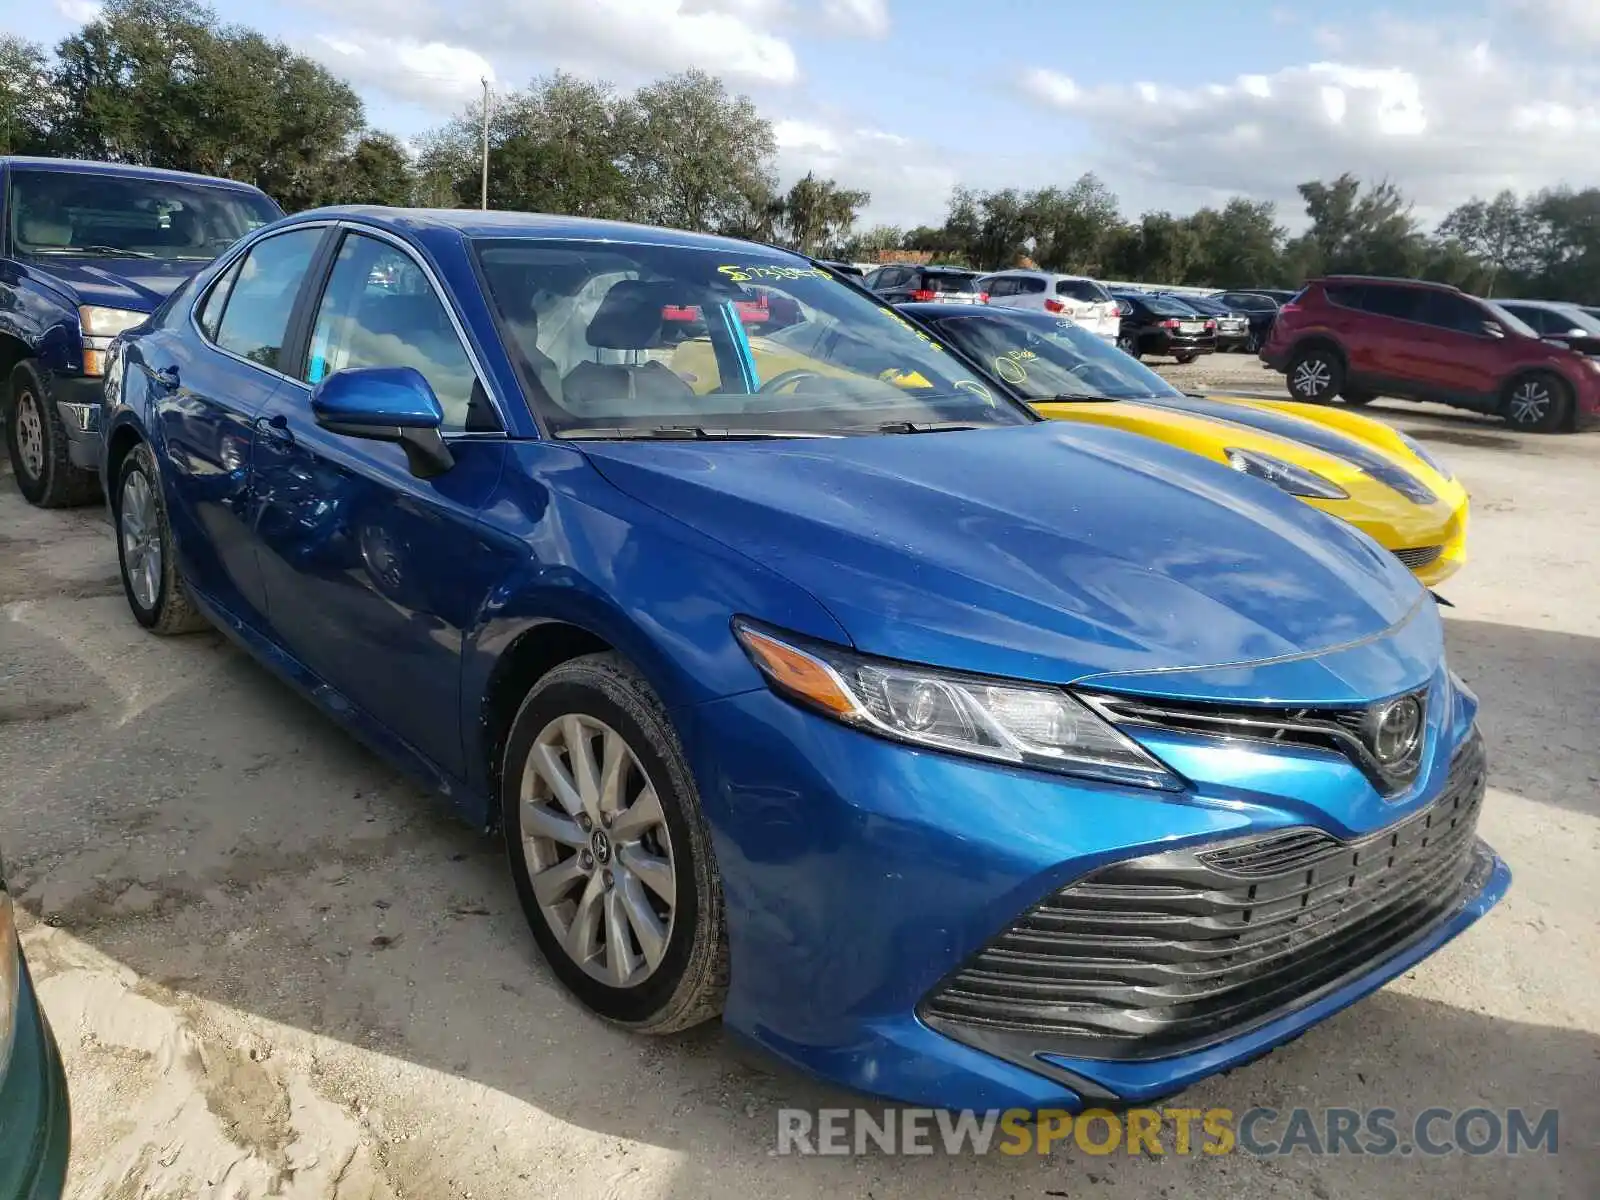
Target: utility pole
{"points": [[484, 199]]}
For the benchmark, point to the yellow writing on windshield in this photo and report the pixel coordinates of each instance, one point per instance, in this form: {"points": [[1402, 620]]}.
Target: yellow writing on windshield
{"points": [[743, 274], [1013, 365]]}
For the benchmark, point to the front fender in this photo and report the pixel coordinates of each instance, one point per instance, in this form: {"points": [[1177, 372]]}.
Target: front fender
{"points": [[579, 551]]}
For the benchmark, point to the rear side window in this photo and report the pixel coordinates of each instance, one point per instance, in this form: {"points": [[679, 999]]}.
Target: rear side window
{"points": [[258, 305], [1030, 285], [1398, 302], [999, 285], [209, 314], [1446, 311], [1085, 290]]}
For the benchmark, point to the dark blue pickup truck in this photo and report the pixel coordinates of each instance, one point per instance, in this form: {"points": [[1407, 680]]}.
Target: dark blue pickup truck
{"points": [[88, 250]]}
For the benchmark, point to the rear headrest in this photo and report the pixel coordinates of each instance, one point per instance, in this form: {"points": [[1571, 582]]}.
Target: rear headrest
{"points": [[629, 318]]}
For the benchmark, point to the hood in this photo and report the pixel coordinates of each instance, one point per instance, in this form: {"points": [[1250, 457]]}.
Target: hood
{"points": [[1045, 552], [1344, 446], [137, 284]]}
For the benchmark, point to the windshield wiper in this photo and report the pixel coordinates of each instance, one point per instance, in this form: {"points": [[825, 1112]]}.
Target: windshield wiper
{"points": [[686, 433], [1069, 397], [925, 426], [117, 250]]}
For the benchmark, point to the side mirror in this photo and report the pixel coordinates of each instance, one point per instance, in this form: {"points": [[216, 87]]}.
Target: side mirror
{"points": [[1494, 329], [1575, 332], [386, 404]]}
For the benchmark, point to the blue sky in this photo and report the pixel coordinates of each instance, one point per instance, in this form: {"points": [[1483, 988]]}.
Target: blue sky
{"points": [[1174, 103]]}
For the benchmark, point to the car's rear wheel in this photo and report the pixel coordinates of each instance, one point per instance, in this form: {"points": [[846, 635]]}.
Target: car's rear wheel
{"points": [[37, 443], [1129, 345], [1185, 359], [1357, 399], [1539, 402], [609, 848], [1316, 375], [146, 555]]}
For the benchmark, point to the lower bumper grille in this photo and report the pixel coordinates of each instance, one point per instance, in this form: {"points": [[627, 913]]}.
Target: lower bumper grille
{"points": [[1422, 556], [1174, 951]]}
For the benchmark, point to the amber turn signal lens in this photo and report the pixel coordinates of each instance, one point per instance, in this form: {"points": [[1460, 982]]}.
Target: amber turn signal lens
{"points": [[796, 672]]}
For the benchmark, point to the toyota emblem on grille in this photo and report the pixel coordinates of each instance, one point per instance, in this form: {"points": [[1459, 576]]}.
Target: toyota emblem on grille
{"points": [[1396, 730]]}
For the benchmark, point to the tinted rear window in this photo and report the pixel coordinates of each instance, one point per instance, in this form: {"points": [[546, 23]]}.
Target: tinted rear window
{"points": [[1086, 290], [949, 281], [1166, 306]]}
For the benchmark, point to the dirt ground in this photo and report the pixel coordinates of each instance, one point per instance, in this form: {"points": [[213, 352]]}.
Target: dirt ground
{"points": [[276, 969]]}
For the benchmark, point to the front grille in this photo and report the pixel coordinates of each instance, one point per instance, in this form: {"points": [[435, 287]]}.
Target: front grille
{"points": [[1422, 556], [1173, 951]]}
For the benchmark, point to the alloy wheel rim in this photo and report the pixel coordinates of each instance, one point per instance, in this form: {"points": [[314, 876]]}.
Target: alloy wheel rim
{"points": [[141, 541], [1313, 377], [1529, 403], [30, 435], [598, 850]]}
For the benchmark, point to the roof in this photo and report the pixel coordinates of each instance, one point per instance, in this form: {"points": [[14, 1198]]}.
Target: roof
{"points": [[934, 309], [1426, 283], [477, 223], [84, 166], [1556, 304]]}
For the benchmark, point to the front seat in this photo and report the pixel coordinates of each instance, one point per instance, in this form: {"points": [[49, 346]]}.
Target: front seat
{"points": [[629, 318]]}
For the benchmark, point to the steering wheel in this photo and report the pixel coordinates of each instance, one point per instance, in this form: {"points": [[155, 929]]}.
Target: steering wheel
{"points": [[787, 377]]}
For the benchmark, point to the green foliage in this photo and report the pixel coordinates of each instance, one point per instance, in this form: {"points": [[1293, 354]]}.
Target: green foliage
{"points": [[27, 97]]}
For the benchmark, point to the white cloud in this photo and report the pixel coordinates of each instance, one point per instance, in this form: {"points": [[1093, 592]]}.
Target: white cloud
{"points": [[910, 181], [1560, 19], [79, 11], [1443, 119], [428, 73], [863, 18]]}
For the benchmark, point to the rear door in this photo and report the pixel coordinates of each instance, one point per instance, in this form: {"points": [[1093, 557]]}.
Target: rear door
{"points": [[209, 391]]}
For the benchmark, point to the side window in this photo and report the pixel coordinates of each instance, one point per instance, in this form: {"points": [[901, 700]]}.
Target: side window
{"points": [[257, 307], [1445, 311], [1003, 285], [379, 310], [1539, 318], [209, 314], [1029, 285], [1400, 303]]}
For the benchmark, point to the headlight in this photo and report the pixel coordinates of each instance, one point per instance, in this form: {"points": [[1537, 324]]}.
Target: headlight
{"points": [[1415, 447], [10, 978], [1025, 724], [1297, 481], [99, 326]]}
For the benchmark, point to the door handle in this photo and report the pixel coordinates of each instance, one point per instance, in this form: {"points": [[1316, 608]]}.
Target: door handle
{"points": [[275, 428]]}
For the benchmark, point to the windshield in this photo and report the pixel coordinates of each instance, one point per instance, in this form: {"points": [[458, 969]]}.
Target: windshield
{"points": [[1167, 306], [629, 336], [62, 212], [1048, 358]]}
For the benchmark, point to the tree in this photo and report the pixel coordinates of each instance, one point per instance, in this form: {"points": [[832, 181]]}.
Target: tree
{"points": [[1369, 232], [1071, 230], [376, 171], [1240, 246], [866, 246], [27, 97], [1498, 232], [695, 154], [818, 214]]}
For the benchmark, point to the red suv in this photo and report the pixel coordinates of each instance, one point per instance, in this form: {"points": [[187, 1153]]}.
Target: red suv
{"points": [[1360, 338]]}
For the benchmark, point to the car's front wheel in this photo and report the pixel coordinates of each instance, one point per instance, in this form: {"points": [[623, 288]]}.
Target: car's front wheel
{"points": [[1316, 375], [37, 442], [146, 555], [610, 851], [1185, 359], [1539, 402]]}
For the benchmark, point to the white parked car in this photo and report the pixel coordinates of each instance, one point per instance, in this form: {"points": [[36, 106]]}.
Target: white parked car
{"points": [[1084, 300]]}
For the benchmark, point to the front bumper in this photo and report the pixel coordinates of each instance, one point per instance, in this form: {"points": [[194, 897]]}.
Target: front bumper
{"points": [[35, 1116], [861, 876], [77, 400]]}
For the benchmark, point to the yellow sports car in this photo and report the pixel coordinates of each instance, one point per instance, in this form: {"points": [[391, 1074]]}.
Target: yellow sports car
{"points": [[1346, 464]]}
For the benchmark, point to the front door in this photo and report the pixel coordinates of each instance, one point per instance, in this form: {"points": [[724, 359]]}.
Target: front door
{"points": [[373, 574]]}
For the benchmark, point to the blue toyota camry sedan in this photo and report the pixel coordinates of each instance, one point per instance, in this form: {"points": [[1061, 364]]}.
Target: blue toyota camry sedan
{"points": [[950, 754]]}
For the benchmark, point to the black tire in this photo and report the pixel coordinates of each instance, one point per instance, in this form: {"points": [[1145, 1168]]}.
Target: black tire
{"points": [[1357, 399], [690, 983], [1253, 343], [1315, 374], [45, 475], [1539, 402], [1185, 359], [1130, 347], [172, 610]]}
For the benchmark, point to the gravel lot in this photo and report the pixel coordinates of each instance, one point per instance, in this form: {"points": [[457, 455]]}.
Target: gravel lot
{"points": [[276, 969]]}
